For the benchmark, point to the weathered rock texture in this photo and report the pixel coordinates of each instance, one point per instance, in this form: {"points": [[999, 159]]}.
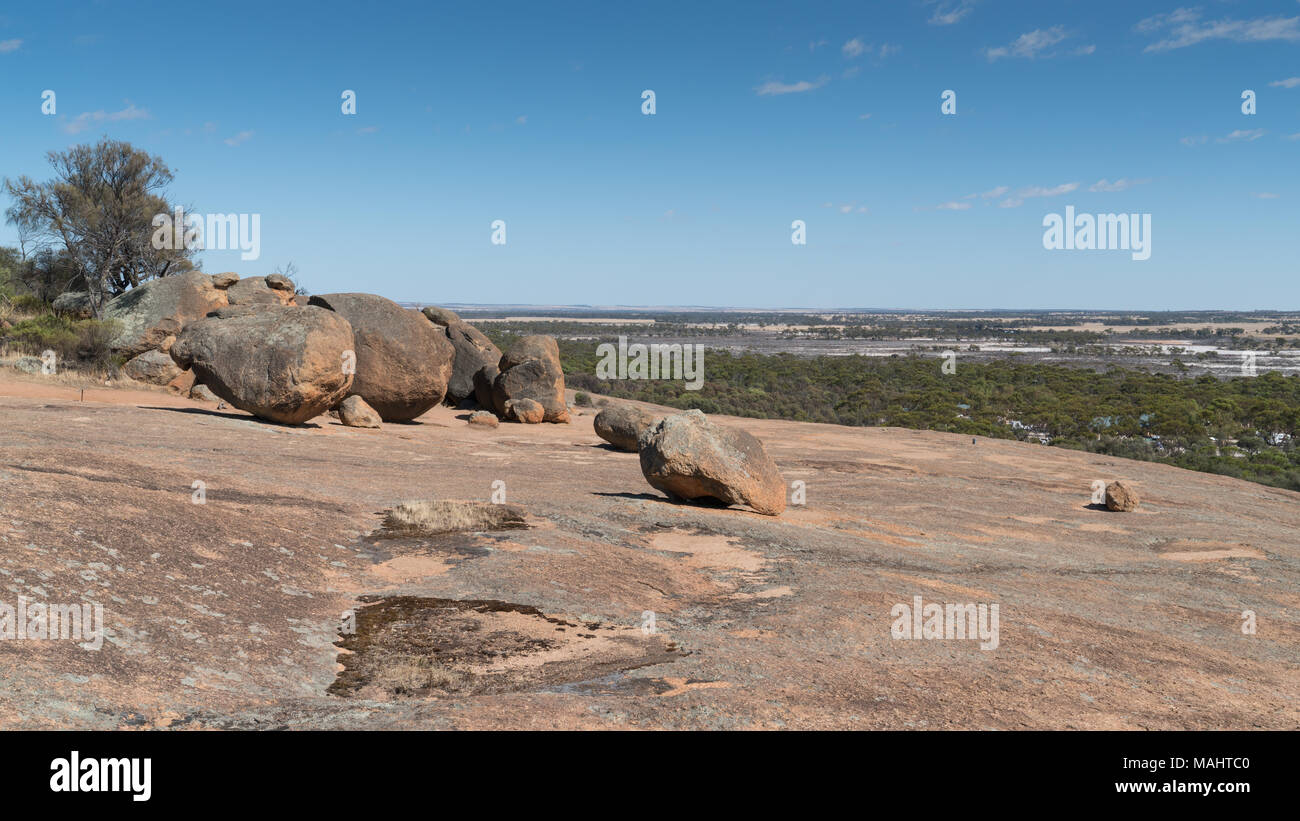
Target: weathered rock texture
{"points": [[149, 313], [687, 456], [622, 425], [403, 362]]}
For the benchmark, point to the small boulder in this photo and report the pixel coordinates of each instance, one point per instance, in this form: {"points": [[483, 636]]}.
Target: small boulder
{"points": [[687, 456], [484, 419], [258, 291], [182, 383], [279, 282], [223, 281], [441, 316], [154, 367], [29, 364], [355, 413], [622, 425], [204, 394], [279, 363], [528, 411], [1120, 497], [403, 361]]}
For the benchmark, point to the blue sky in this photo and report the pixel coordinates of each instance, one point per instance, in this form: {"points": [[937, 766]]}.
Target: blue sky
{"points": [[765, 113]]}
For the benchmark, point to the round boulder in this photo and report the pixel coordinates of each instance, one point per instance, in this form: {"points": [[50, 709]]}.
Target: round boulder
{"points": [[531, 370], [149, 313], [355, 413], [1120, 497], [622, 425], [527, 411], [687, 456], [154, 367], [403, 361], [279, 363]]}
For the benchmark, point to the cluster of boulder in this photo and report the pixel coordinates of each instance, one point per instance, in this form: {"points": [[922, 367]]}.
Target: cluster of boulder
{"points": [[288, 358]]}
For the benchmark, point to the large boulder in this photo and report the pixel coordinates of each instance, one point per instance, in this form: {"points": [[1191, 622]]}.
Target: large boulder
{"points": [[1120, 497], [473, 351], [259, 291], [687, 456], [531, 370], [154, 367], [149, 313], [622, 425], [75, 304], [280, 363], [403, 361], [484, 382]]}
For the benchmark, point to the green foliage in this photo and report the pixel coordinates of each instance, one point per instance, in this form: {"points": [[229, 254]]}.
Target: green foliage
{"points": [[1130, 413], [84, 342], [582, 399]]}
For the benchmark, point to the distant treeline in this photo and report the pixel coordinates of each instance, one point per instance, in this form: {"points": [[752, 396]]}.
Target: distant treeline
{"points": [[1243, 427]]}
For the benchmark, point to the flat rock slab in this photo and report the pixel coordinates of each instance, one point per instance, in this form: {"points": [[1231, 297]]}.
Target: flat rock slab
{"points": [[231, 613]]}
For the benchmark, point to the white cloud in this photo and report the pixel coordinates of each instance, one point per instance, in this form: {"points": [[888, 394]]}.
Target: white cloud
{"points": [[241, 137], [953, 206], [1184, 27], [1202, 140], [1029, 45], [7, 46], [1290, 82], [1295, 136], [853, 48], [82, 121], [948, 12], [995, 192], [1265, 195], [1040, 191], [774, 87], [1249, 135], [1011, 203], [864, 116], [1121, 184]]}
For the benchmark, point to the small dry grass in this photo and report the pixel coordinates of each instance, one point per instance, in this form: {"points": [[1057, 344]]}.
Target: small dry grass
{"points": [[439, 516], [407, 674]]}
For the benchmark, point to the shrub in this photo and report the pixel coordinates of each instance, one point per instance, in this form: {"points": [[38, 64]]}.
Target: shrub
{"points": [[582, 400], [82, 343]]}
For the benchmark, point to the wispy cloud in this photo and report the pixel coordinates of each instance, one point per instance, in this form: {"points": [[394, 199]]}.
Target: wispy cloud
{"points": [[1184, 27], [1031, 45], [1265, 195], [1290, 82], [1295, 136], [241, 137], [948, 12], [7, 46], [1121, 184], [522, 119], [774, 87], [84, 120], [1247, 135], [853, 48], [369, 129], [1036, 191], [952, 206], [856, 48]]}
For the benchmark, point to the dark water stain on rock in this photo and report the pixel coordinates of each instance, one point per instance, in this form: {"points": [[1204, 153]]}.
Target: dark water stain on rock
{"points": [[407, 646]]}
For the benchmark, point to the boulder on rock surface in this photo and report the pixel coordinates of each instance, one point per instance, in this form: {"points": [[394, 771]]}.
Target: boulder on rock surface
{"points": [[203, 393], [355, 413], [403, 361], [149, 313], [482, 418], [280, 363], [473, 351], [258, 291], [484, 393], [223, 281], [441, 316], [154, 367], [531, 370], [1120, 497], [622, 425], [687, 456], [528, 411]]}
